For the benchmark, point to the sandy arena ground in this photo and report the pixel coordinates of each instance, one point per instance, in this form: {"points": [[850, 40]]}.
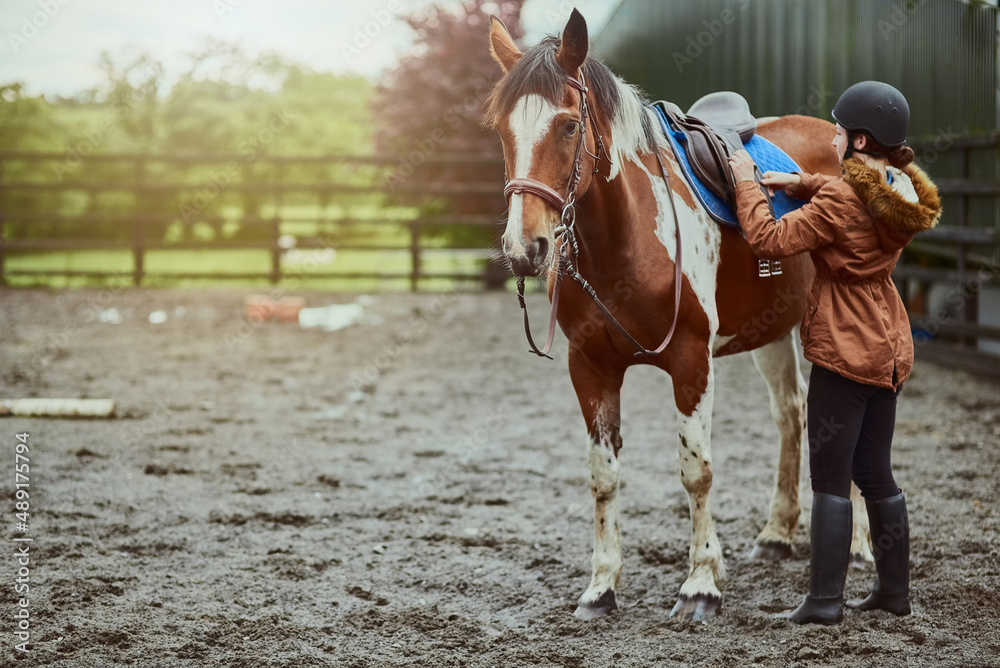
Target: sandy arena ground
{"points": [[264, 498]]}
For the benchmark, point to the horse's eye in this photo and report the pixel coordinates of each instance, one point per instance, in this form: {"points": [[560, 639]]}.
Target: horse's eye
{"points": [[571, 128]]}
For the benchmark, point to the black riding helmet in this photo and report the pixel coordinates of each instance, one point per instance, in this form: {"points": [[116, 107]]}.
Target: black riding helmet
{"points": [[878, 109]]}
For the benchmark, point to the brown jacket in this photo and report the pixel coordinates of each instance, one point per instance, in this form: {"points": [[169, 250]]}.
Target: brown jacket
{"points": [[855, 229]]}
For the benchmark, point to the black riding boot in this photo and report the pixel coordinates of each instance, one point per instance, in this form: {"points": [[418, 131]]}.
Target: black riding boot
{"points": [[830, 536], [890, 528]]}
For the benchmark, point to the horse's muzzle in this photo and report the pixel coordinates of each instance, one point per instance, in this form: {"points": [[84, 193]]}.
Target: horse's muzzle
{"points": [[535, 260]]}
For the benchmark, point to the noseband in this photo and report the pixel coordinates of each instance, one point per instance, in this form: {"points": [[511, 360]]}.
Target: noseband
{"points": [[565, 234]]}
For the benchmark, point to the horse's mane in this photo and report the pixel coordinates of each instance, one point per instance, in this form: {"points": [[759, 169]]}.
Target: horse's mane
{"points": [[538, 73]]}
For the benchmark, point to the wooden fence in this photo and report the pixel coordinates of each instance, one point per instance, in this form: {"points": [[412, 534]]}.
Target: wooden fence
{"points": [[961, 253], [24, 175]]}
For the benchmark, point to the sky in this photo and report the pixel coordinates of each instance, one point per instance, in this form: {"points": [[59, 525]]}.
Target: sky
{"points": [[52, 46]]}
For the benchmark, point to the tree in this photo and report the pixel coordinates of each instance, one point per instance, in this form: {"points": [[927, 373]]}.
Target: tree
{"points": [[431, 104], [133, 87]]}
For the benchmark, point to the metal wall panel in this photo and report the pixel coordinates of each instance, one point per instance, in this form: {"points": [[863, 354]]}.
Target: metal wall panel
{"points": [[941, 53], [797, 56]]}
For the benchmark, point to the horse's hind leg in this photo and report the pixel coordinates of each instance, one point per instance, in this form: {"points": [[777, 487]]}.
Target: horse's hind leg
{"points": [[778, 363], [599, 394], [861, 550]]}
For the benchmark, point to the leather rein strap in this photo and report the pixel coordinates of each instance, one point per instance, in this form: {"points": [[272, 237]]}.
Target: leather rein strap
{"points": [[568, 252]]}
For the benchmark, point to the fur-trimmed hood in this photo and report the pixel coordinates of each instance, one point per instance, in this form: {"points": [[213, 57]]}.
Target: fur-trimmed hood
{"points": [[908, 206]]}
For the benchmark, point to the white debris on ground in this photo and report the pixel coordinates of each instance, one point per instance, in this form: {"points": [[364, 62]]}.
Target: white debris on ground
{"points": [[331, 318], [110, 316]]}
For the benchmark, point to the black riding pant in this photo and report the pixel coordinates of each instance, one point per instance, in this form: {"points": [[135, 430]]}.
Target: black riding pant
{"points": [[850, 427]]}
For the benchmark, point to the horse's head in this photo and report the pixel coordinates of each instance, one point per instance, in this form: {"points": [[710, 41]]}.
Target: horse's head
{"points": [[536, 107]]}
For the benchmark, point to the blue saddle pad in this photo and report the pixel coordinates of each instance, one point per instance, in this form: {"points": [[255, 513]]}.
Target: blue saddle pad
{"points": [[764, 153]]}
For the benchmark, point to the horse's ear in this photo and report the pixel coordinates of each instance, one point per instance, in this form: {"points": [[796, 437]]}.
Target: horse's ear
{"points": [[575, 44], [502, 46]]}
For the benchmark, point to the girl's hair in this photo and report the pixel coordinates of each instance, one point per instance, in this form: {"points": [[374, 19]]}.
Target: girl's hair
{"points": [[898, 157]]}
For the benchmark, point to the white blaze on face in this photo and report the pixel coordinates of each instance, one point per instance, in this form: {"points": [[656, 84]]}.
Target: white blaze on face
{"points": [[529, 124]]}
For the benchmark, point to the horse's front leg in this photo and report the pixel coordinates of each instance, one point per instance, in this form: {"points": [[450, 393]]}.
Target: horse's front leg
{"points": [[694, 390], [599, 391]]}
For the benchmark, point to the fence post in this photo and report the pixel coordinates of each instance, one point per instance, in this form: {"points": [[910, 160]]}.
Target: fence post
{"points": [[275, 249], [278, 201], [414, 255], [970, 306], [3, 272], [137, 231]]}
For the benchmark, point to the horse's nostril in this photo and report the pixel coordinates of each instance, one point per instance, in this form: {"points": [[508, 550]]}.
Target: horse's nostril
{"points": [[538, 249]]}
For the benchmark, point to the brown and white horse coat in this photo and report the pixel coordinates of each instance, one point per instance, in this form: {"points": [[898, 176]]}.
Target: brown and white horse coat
{"points": [[626, 235]]}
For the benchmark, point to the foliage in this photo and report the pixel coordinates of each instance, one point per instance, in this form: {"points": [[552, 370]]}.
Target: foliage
{"points": [[26, 123], [431, 104], [227, 103]]}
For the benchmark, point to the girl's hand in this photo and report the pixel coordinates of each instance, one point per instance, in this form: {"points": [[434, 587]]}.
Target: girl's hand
{"points": [[781, 181], [742, 165]]}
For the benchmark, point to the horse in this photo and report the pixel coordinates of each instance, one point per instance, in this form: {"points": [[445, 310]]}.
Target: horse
{"points": [[568, 124]]}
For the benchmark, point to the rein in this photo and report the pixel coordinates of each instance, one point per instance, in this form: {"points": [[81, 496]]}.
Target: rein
{"points": [[565, 236]]}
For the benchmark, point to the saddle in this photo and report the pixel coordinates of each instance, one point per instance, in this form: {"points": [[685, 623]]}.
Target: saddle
{"points": [[715, 127]]}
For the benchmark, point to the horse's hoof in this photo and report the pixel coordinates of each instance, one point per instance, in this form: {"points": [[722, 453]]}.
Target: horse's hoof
{"points": [[771, 551], [602, 607], [697, 608]]}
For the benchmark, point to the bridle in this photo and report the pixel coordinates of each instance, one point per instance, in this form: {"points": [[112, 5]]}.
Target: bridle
{"points": [[565, 235]]}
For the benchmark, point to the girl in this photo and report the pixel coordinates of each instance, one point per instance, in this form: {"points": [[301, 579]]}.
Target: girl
{"points": [[855, 332]]}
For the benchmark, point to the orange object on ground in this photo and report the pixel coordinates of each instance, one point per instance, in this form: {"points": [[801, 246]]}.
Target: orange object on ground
{"points": [[258, 307], [287, 308], [262, 307]]}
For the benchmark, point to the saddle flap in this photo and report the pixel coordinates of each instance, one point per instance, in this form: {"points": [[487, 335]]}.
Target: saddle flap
{"points": [[709, 152], [765, 154], [726, 110]]}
